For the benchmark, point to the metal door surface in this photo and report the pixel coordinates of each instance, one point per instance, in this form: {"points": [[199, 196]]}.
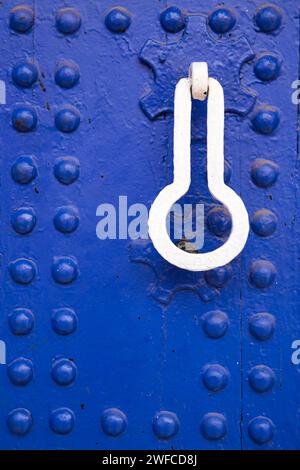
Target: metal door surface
{"points": [[104, 345]]}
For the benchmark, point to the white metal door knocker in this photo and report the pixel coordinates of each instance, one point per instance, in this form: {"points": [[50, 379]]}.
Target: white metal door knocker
{"points": [[202, 87]]}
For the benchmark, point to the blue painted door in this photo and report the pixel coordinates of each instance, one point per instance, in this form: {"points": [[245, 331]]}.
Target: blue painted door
{"points": [[104, 345]]}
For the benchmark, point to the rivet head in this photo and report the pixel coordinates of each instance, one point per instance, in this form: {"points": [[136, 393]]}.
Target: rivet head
{"points": [[22, 270], [218, 221], [24, 119], [62, 420], [261, 378], [20, 371], [268, 18], [66, 169], [218, 277], [64, 269], [21, 321], [267, 67], [25, 74], [63, 371], [222, 20], [215, 377], [66, 219], [68, 20], [24, 170], [264, 173], [23, 220], [64, 321], [215, 324], [172, 20], [213, 426], [265, 119], [21, 18], [262, 326], [165, 425], [262, 273], [261, 430], [67, 119], [118, 20], [264, 222], [67, 74], [19, 421], [113, 422]]}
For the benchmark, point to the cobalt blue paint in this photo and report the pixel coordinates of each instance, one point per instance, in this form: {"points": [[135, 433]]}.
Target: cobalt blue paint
{"points": [[264, 173], [68, 20], [66, 169], [218, 277], [113, 422], [19, 421], [64, 269], [215, 324], [262, 326], [64, 321], [213, 426], [67, 74], [222, 20], [66, 219], [20, 371], [25, 74], [21, 18], [172, 20], [261, 378], [22, 270], [261, 429], [23, 220], [265, 119], [264, 222], [67, 119], [118, 20], [227, 172], [262, 273], [62, 420], [21, 321], [267, 67], [24, 170], [24, 119], [219, 221], [215, 377], [63, 371], [268, 18], [165, 425]]}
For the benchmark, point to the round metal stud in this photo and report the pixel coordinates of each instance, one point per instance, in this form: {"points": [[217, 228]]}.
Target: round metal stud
{"points": [[21, 321], [23, 220], [215, 324], [66, 219], [62, 420], [66, 169], [25, 74], [262, 326], [24, 119], [118, 20], [261, 430], [215, 377], [21, 18], [262, 273], [267, 67], [63, 371], [67, 74], [24, 170], [67, 119], [219, 221], [172, 20], [213, 426], [222, 20], [264, 222], [268, 18], [64, 321], [165, 425], [22, 270], [265, 119], [19, 421], [218, 277], [68, 20], [64, 269], [264, 173], [20, 371], [113, 422], [261, 378]]}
